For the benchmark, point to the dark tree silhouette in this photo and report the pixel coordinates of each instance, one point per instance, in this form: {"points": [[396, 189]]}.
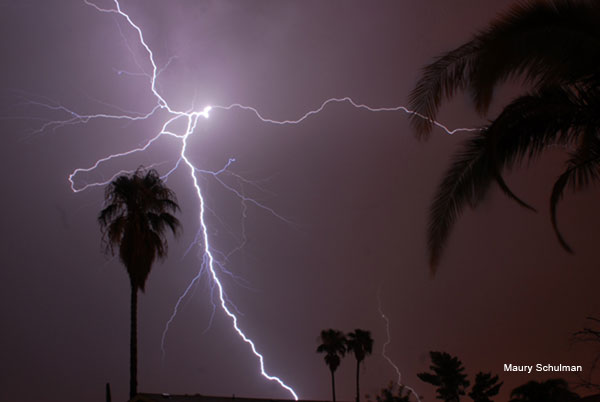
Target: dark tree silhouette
{"points": [[447, 375], [333, 344], [590, 334], [360, 344], [485, 387], [555, 46], [135, 219], [390, 394], [555, 390]]}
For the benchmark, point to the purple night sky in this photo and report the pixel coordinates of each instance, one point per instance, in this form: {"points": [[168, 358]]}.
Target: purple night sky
{"points": [[354, 185]]}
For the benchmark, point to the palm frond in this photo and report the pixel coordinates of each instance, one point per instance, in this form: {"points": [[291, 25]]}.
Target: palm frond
{"points": [[546, 42], [109, 213], [582, 168], [531, 123], [551, 116], [524, 129], [440, 80], [114, 232], [465, 183]]}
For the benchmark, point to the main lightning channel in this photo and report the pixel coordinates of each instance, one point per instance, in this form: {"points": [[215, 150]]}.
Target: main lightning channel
{"points": [[192, 120], [215, 278]]}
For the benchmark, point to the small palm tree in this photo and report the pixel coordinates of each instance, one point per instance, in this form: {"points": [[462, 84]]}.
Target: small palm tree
{"points": [[555, 46], [333, 344], [361, 344], [135, 219]]}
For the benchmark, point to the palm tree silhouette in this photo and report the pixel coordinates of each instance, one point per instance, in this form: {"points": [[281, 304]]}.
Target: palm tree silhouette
{"points": [[360, 343], [333, 344], [485, 387], [135, 219], [447, 375], [554, 390], [555, 46]]}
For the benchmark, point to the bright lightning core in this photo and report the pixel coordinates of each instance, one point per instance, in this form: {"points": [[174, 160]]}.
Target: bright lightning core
{"points": [[189, 120], [205, 112]]}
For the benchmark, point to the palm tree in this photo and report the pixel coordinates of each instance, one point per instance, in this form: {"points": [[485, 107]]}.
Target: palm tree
{"points": [[555, 390], [333, 344], [555, 46], [135, 219], [360, 343]]}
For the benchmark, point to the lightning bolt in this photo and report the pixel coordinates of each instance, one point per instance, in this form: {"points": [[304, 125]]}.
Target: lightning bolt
{"points": [[190, 118], [210, 265], [386, 344], [354, 104]]}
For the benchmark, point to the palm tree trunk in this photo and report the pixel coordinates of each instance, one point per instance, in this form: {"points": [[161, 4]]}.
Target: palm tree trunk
{"points": [[333, 385], [357, 388], [133, 344]]}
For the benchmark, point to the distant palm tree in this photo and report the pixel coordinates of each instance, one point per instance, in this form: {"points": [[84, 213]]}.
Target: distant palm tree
{"points": [[333, 344], [135, 219], [360, 343], [555, 390], [555, 46]]}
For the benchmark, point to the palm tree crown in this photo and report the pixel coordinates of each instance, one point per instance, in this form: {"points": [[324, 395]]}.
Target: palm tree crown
{"points": [[555, 46], [135, 219]]}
